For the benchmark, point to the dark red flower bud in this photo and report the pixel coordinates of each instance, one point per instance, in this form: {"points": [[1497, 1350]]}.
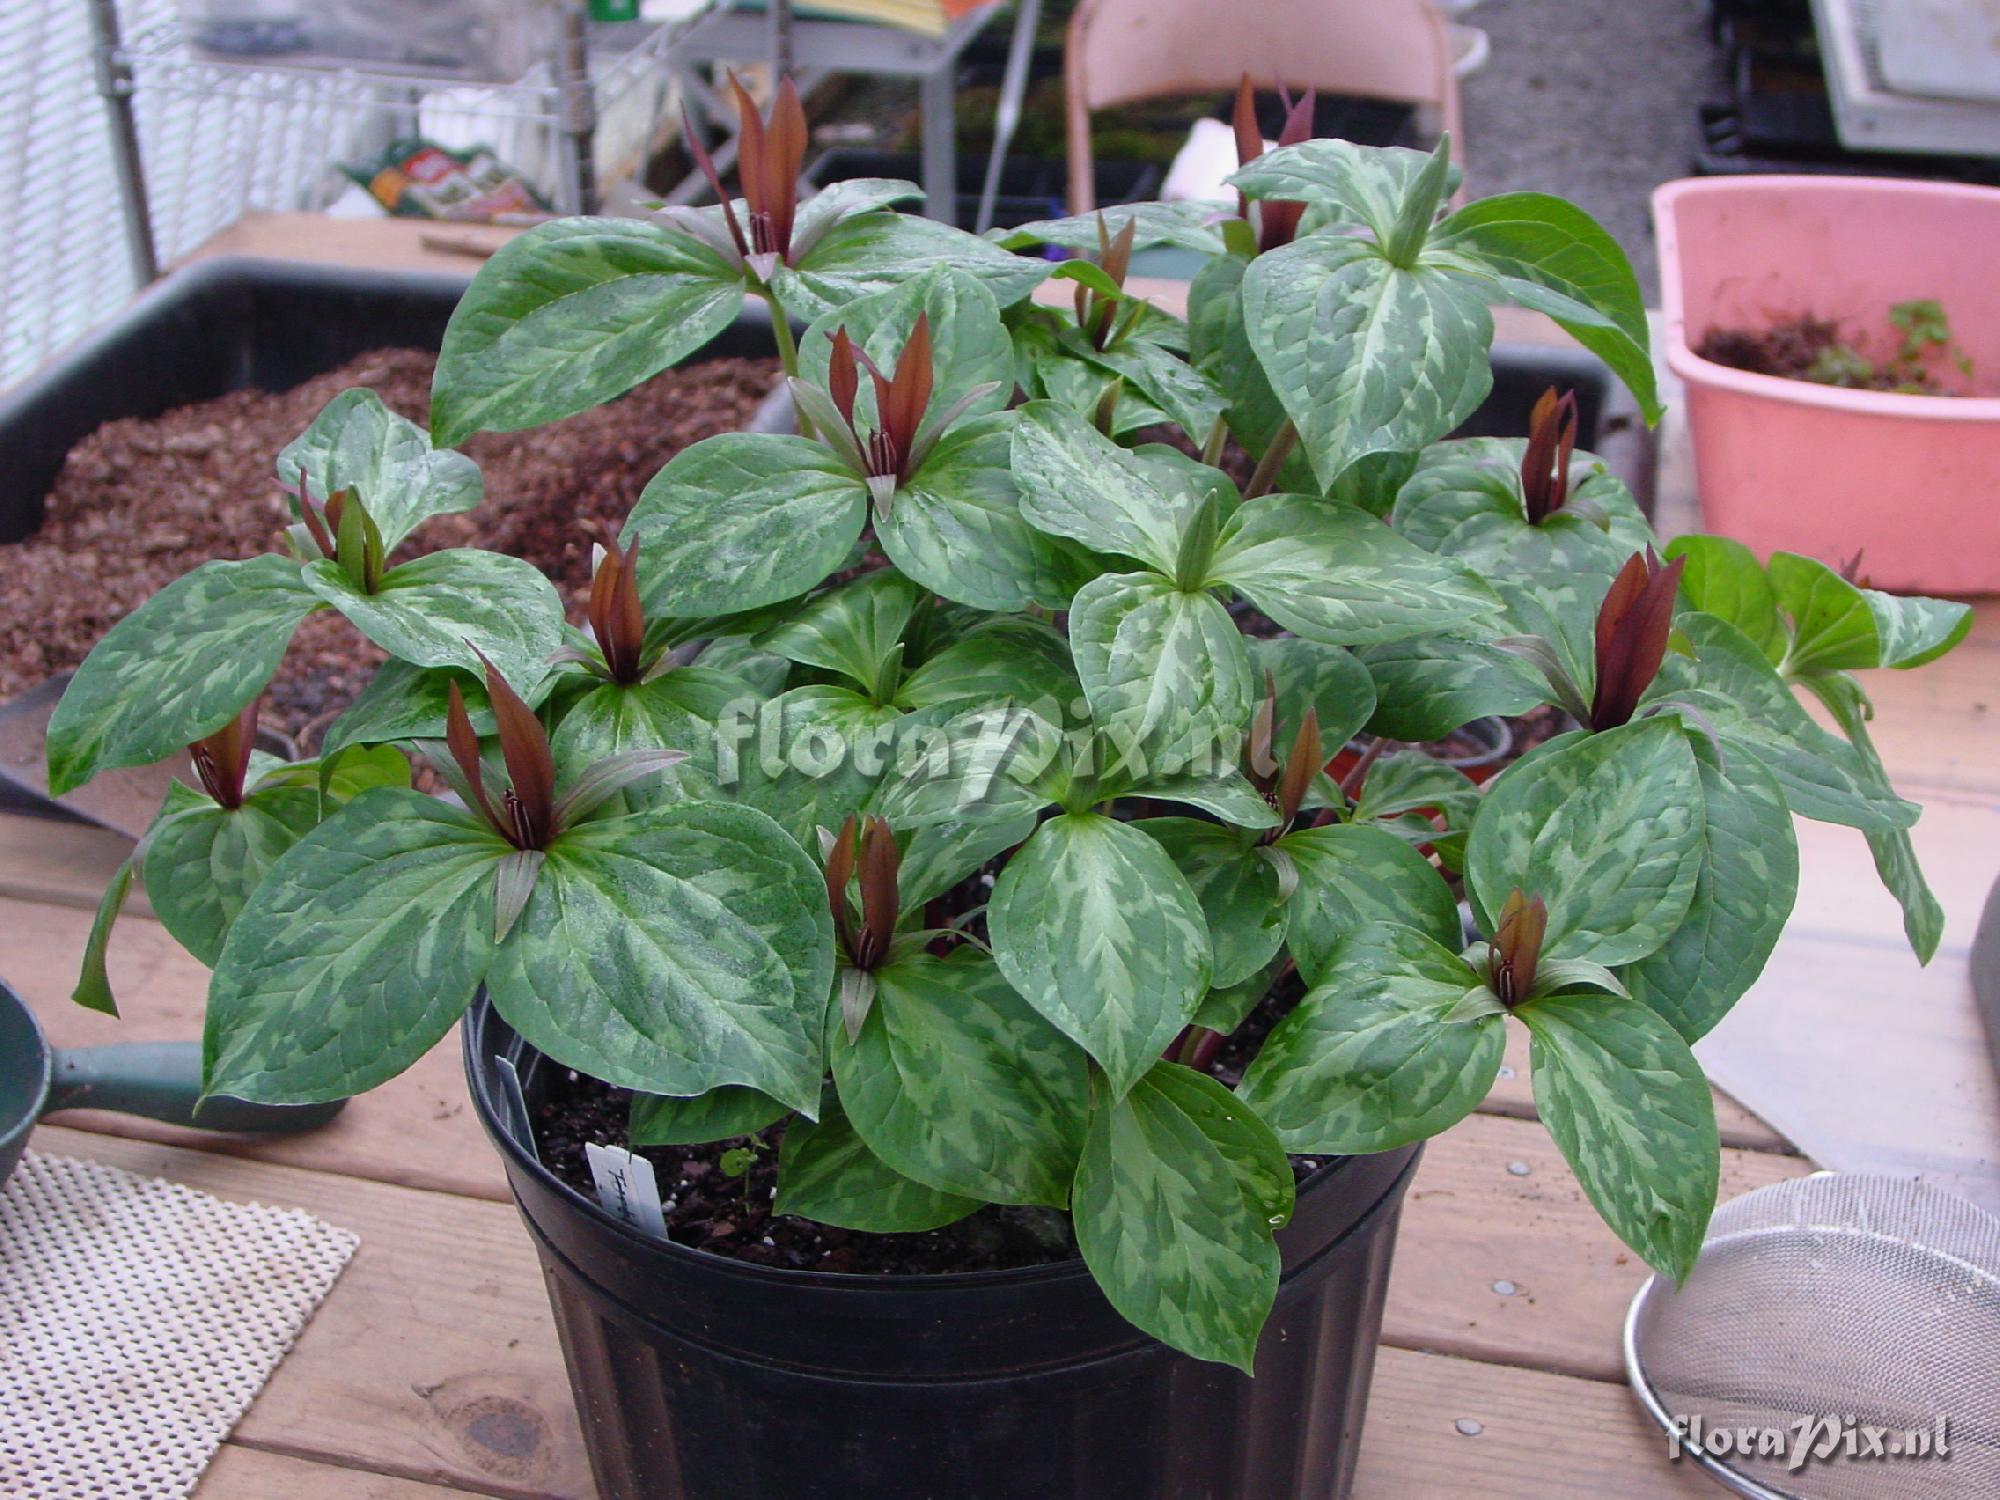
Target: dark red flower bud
{"points": [[222, 760], [616, 618], [1515, 951], [1633, 626], [1545, 464], [525, 815]]}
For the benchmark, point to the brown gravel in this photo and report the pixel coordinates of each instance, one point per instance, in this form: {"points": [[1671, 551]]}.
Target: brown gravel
{"points": [[142, 501]]}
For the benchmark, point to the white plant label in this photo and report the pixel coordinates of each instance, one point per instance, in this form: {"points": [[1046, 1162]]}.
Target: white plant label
{"points": [[626, 1187]]}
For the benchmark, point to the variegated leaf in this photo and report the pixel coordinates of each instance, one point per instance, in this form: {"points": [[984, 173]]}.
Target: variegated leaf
{"points": [[980, 765], [743, 519], [1464, 500], [405, 702], [177, 668], [1372, 1058], [955, 1082], [1744, 701], [1165, 381], [1165, 665], [1329, 680], [812, 757], [1428, 685], [680, 710], [446, 609], [874, 252], [356, 443], [1351, 876], [1608, 831], [1366, 356], [1220, 347], [1173, 1222], [827, 1173], [674, 951], [1098, 930], [1237, 887], [959, 527], [93, 983], [1628, 1105], [1337, 575], [1187, 226], [363, 944], [851, 629], [571, 314], [718, 1115], [938, 856], [1837, 626], [1077, 483], [1365, 185], [1747, 880], [204, 863], [970, 343], [1410, 780], [1014, 658], [1547, 254]]}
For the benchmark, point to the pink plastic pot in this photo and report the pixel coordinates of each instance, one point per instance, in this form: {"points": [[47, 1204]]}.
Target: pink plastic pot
{"points": [[1914, 481]]}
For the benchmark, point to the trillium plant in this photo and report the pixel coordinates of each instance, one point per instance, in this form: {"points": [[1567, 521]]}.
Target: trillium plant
{"points": [[943, 788]]}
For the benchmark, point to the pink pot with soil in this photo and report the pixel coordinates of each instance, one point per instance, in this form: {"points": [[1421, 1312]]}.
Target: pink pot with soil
{"points": [[1791, 465]]}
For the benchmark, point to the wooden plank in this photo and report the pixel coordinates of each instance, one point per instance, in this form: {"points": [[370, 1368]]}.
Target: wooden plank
{"points": [[239, 1473], [1527, 1433], [438, 1333], [65, 864], [1494, 1207], [417, 1130], [433, 1359], [1513, 1095]]}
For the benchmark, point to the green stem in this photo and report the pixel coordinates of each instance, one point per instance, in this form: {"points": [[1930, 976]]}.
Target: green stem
{"points": [[1211, 448], [788, 354], [1265, 478]]}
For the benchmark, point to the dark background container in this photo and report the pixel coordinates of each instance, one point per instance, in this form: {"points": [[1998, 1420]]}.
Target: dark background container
{"points": [[702, 1378]]}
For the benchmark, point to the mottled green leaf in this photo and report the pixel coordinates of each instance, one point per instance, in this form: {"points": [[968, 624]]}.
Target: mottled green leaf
{"points": [[676, 711], [1366, 356], [356, 443], [813, 756], [1337, 575], [1409, 780], [960, 528], [1464, 499], [1350, 876], [177, 668], [203, 864], [93, 984], [970, 344], [955, 1082], [938, 856], [1219, 344], [827, 1173], [1165, 381], [1837, 626], [1237, 886], [674, 951], [980, 765], [1744, 701], [875, 252], [1547, 254], [1365, 185], [1428, 685], [1077, 483], [1628, 1105], [1746, 883], [1894, 853], [851, 629], [353, 958], [570, 314], [445, 609], [1169, 1221], [1372, 1058], [743, 519], [1329, 680], [1187, 226], [1607, 831], [1098, 930], [718, 1115], [1165, 665], [1013, 658]]}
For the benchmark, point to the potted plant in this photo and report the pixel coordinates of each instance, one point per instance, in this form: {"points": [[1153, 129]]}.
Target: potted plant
{"points": [[930, 835], [1811, 465]]}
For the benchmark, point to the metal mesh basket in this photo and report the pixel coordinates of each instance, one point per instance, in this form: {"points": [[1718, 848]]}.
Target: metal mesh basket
{"points": [[1855, 1318]]}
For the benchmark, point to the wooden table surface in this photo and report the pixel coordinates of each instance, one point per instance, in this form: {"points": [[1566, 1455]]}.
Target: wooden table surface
{"points": [[432, 1368]]}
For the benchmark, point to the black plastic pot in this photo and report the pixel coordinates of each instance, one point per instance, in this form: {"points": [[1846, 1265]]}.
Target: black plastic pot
{"points": [[703, 1378]]}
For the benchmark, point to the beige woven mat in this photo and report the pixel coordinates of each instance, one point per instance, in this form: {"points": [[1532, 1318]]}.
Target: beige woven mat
{"points": [[138, 1319]]}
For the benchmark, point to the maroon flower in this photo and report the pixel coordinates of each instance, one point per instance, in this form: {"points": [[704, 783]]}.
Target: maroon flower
{"points": [[1633, 625], [1516, 947], [1277, 218], [222, 760], [1545, 465], [524, 814]]}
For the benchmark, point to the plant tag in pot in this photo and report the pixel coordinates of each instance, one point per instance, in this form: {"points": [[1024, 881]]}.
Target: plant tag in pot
{"points": [[626, 1187]]}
